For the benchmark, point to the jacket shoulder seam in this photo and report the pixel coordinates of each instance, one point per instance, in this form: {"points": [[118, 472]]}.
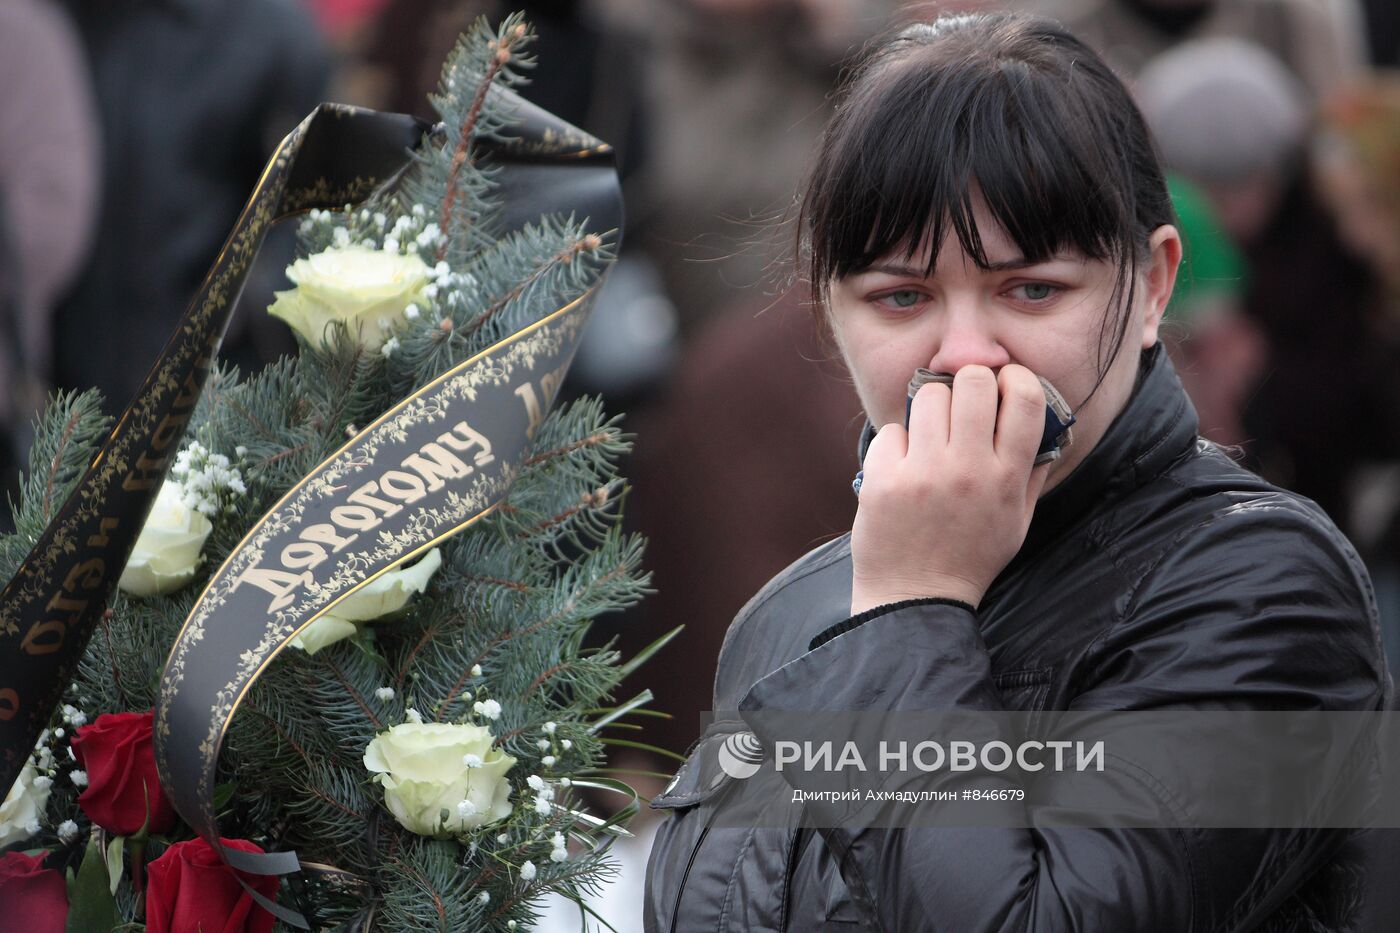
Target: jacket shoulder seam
{"points": [[1149, 570], [803, 567]]}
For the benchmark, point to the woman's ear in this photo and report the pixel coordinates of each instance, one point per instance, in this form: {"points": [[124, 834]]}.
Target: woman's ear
{"points": [[1162, 265]]}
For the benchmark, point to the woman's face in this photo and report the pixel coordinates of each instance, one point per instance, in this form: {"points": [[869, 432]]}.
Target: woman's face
{"points": [[890, 320]]}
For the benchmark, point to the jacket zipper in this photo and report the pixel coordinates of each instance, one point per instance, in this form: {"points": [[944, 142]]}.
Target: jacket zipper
{"points": [[685, 875]]}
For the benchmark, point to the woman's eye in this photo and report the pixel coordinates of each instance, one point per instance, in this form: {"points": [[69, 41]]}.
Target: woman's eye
{"points": [[904, 298], [1036, 291]]}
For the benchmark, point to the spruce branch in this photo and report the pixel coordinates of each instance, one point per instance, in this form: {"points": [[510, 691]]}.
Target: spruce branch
{"points": [[282, 733], [588, 244], [354, 695], [106, 623], [69, 427], [67, 435], [592, 440], [505, 46]]}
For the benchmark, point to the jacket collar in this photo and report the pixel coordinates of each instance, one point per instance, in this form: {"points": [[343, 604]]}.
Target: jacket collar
{"points": [[1154, 428]]}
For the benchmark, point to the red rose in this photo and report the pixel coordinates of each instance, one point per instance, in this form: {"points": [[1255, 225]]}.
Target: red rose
{"points": [[190, 888], [119, 756], [35, 899]]}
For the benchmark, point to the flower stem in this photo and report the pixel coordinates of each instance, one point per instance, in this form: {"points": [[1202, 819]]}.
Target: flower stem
{"points": [[136, 852]]}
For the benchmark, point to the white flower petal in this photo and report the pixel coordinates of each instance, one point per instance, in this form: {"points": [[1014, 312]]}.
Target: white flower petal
{"points": [[168, 549], [322, 633], [23, 806], [389, 592]]}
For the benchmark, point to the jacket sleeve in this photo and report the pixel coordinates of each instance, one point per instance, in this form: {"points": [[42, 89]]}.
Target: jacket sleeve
{"points": [[1260, 608]]}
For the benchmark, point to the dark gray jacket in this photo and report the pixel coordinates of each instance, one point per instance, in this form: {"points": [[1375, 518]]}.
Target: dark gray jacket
{"points": [[1158, 575]]}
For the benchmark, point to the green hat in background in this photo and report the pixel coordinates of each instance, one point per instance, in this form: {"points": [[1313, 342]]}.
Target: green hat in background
{"points": [[1213, 270]]}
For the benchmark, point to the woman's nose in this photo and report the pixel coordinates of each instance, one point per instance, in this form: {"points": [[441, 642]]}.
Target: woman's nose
{"points": [[966, 340]]}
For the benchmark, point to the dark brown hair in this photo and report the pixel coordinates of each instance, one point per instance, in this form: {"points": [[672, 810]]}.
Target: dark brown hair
{"points": [[1010, 105]]}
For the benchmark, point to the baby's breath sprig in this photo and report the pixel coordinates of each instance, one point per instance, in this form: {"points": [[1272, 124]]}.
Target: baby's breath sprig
{"points": [[210, 482]]}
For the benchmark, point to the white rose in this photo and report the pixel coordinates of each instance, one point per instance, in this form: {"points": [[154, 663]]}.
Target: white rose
{"points": [[322, 633], [420, 766], [387, 594], [167, 550], [22, 809], [367, 289]]}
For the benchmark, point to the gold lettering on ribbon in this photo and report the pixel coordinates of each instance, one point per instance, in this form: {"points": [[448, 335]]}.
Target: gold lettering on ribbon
{"points": [[282, 584], [526, 391], [146, 473], [549, 387], [426, 470], [463, 438], [46, 637], [435, 463], [325, 534], [87, 575], [355, 517], [150, 466], [105, 527], [305, 554], [364, 496], [405, 487]]}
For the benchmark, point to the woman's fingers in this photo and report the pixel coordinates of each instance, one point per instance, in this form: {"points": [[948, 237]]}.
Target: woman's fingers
{"points": [[1020, 422], [886, 450], [983, 416], [974, 411], [928, 419], [982, 413]]}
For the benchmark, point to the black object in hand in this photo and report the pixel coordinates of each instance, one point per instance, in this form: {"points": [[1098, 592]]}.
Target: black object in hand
{"points": [[1058, 417]]}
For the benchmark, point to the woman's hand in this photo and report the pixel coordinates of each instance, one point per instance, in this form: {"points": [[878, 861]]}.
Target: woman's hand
{"points": [[945, 506]]}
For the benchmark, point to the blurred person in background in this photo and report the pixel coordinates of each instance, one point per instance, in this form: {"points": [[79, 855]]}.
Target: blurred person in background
{"points": [[1322, 42], [721, 448], [349, 26], [736, 95], [587, 72], [342, 20], [1358, 170], [48, 200], [1217, 350], [1233, 120], [1357, 165], [192, 96]]}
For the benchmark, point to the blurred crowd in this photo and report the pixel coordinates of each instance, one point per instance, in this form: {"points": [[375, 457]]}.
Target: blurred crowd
{"points": [[131, 131]]}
